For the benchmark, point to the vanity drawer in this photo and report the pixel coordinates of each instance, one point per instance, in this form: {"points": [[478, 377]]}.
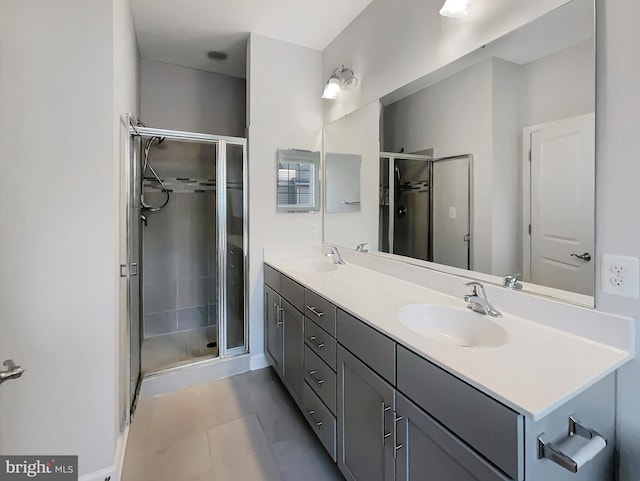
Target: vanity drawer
{"points": [[320, 419], [320, 342], [292, 292], [272, 278], [373, 348], [321, 311], [491, 428], [321, 378]]}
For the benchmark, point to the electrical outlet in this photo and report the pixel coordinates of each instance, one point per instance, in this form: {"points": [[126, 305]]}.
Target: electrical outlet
{"points": [[619, 275], [618, 269], [618, 281]]}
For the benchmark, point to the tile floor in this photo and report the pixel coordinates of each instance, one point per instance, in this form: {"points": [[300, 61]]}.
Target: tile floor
{"points": [[244, 428]]}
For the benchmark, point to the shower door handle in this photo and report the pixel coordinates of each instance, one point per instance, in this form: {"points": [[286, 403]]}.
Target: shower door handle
{"points": [[131, 271]]}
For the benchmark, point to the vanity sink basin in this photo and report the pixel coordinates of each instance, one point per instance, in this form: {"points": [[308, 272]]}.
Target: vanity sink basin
{"points": [[451, 325], [316, 266]]}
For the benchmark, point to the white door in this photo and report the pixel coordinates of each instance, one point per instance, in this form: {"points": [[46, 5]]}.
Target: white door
{"points": [[562, 172]]}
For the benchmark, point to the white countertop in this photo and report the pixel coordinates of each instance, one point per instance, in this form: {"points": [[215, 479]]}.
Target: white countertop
{"points": [[536, 371]]}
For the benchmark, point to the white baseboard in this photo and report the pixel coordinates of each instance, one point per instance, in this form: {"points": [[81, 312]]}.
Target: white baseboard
{"points": [[258, 361], [113, 472]]}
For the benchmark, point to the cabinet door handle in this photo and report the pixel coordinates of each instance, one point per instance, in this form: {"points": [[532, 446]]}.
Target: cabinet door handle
{"points": [[319, 382], [275, 313], [396, 446], [279, 316], [312, 340], [318, 424], [385, 434], [315, 311]]}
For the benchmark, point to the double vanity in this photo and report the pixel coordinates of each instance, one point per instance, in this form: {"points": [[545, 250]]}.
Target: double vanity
{"points": [[401, 381]]}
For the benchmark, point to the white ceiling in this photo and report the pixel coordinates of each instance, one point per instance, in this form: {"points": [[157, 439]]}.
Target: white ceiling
{"points": [[181, 32]]}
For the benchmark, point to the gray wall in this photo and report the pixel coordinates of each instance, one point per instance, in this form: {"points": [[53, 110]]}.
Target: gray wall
{"points": [[68, 73], [179, 98]]}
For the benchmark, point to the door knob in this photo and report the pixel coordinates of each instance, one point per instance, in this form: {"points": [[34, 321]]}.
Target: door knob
{"points": [[585, 257], [12, 372]]}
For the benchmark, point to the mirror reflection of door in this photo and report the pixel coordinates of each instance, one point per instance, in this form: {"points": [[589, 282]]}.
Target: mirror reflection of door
{"points": [[561, 211], [451, 211]]}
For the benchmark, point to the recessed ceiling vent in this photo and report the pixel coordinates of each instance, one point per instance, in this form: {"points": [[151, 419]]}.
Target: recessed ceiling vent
{"points": [[217, 55]]}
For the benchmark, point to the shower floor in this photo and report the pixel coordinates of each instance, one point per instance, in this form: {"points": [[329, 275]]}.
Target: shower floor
{"points": [[178, 348]]}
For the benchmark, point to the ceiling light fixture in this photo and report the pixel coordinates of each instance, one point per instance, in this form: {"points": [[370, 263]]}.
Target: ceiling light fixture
{"points": [[341, 79], [454, 8]]}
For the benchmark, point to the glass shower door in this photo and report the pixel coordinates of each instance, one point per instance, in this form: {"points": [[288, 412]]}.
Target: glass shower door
{"points": [[236, 247]]}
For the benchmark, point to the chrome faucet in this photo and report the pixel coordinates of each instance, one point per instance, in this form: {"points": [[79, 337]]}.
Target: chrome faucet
{"points": [[334, 255], [511, 282], [480, 304], [362, 247]]}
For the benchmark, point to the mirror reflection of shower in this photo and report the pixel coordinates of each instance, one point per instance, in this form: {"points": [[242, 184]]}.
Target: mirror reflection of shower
{"points": [[425, 207]]}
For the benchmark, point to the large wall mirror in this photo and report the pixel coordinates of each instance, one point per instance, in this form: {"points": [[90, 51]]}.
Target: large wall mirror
{"points": [[488, 164]]}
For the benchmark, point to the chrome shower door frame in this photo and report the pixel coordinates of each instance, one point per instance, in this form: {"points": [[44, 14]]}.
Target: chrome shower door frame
{"points": [[222, 142]]}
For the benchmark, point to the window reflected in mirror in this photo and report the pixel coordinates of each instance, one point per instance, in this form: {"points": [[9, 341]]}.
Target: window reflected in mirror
{"points": [[297, 183]]}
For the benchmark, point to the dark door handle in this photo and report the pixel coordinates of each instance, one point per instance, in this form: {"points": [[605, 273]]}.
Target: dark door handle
{"points": [[585, 257]]}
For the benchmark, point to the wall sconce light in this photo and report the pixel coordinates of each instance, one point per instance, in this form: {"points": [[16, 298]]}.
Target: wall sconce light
{"points": [[341, 79]]}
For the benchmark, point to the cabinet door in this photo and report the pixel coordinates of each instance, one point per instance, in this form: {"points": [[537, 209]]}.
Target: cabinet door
{"points": [[273, 328], [365, 421], [426, 451], [293, 349]]}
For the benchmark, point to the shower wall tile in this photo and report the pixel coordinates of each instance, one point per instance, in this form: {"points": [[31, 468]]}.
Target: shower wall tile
{"points": [[192, 292], [179, 262], [191, 239], [160, 323], [160, 296], [192, 318]]}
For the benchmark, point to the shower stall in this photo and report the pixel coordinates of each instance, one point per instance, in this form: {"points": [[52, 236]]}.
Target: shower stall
{"points": [[186, 267]]}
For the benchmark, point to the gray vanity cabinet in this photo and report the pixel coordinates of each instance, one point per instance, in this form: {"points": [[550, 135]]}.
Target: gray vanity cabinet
{"points": [[274, 331], [425, 451], [366, 404], [293, 323]]}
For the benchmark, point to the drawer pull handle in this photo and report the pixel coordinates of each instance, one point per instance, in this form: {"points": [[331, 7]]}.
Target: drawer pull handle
{"points": [[585, 454], [319, 382], [317, 423], [315, 311], [312, 340], [280, 316]]}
